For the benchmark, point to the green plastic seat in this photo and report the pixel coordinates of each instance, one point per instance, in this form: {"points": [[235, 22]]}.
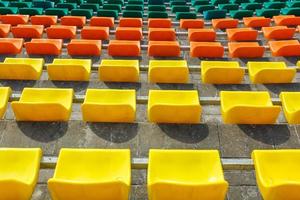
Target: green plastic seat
{"points": [[258, 1], [251, 6], [240, 14], [116, 7], [202, 8], [136, 2], [99, 2], [4, 3], [293, 4], [132, 13], [107, 13], [92, 6], [120, 2], [274, 5], [135, 7], [69, 6], [88, 13], [155, 2], [8, 10], [217, 2], [55, 1], [267, 12], [161, 8], [31, 11], [185, 15], [176, 9], [74, 1], [43, 4], [200, 2], [229, 6], [20, 4], [214, 14], [178, 3], [278, 0], [239, 1], [157, 14], [290, 11], [60, 12]]}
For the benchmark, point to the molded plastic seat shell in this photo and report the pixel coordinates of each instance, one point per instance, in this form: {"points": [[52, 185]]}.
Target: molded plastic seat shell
{"points": [[5, 93], [102, 21], [161, 34], [61, 32], [164, 48], [44, 46], [191, 23], [78, 21], [286, 20], [160, 23], [245, 50], [80, 47], [206, 49], [14, 19], [95, 33], [285, 48], [201, 35], [256, 22], [4, 30], [290, 106], [278, 32], [27, 31], [225, 23], [130, 22], [129, 33], [116, 48], [11, 45], [241, 34], [46, 20]]}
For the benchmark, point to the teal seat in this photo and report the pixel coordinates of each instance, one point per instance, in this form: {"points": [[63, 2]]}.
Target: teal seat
{"points": [[69, 6], [178, 3], [240, 14], [157, 14], [258, 1], [185, 15], [99, 2], [277, 0], [214, 14], [251, 6], [293, 4], [202, 8], [88, 13], [120, 2], [4, 4], [290, 11], [200, 2], [116, 7], [74, 1], [31, 11], [217, 2], [161, 8], [107, 13], [43, 4], [135, 2], [91, 6], [229, 6], [132, 13], [135, 7], [8, 10], [274, 5], [55, 1], [176, 9], [19, 4], [239, 1], [155, 2], [60, 12], [267, 12]]}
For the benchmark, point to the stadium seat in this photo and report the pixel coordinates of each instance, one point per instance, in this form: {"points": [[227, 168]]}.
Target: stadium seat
{"points": [[88, 13], [109, 105], [14, 19], [241, 34], [27, 31], [240, 14], [42, 4], [113, 6], [95, 33], [129, 33], [293, 4], [168, 71], [61, 32], [278, 32], [201, 35], [277, 173], [130, 22], [160, 23], [290, 106], [69, 6], [107, 13], [285, 48], [113, 70], [267, 12], [251, 6], [228, 6], [270, 72], [161, 34], [59, 12], [157, 14], [8, 10], [180, 8], [248, 107], [290, 11], [202, 8], [185, 15], [21, 68], [286, 20], [214, 14], [157, 8], [245, 50], [116, 48], [5, 93], [44, 46], [134, 7], [256, 22], [221, 72], [274, 5], [78, 21], [19, 172], [19, 4], [191, 23], [43, 104], [43, 20], [69, 69], [174, 106], [91, 173], [4, 30], [181, 174], [206, 49], [91, 6], [102, 21], [132, 14], [225, 23], [164, 48], [80, 47], [11, 45]]}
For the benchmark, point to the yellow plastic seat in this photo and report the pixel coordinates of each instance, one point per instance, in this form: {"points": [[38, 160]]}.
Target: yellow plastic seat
{"points": [[185, 174], [221, 72], [21, 68], [270, 72], [70, 69], [19, 171], [291, 107], [119, 70], [5, 93], [109, 105], [174, 106], [248, 107], [168, 71], [43, 104], [91, 174], [277, 173]]}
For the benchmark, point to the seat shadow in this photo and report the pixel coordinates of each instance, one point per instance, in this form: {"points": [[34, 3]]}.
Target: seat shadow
{"points": [[17, 85], [127, 85], [43, 131], [282, 87], [76, 85], [47, 58], [115, 132], [234, 87], [174, 86], [186, 133]]}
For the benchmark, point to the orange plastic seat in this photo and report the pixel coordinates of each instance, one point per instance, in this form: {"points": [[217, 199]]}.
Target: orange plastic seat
{"points": [[159, 23], [102, 21], [278, 32], [129, 33], [46, 20], [95, 33], [241, 34], [78, 21], [256, 22], [224, 23], [201, 35], [245, 50], [191, 23], [124, 48], [61, 32], [164, 48], [14, 19], [206, 49], [285, 48], [44, 46], [27, 31], [4, 30], [80, 47], [130, 22], [11, 45], [161, 34], [286, 20]]}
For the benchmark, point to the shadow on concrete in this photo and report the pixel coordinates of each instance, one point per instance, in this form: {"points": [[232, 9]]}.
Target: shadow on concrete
{"points": [[43, 131], [17, 85], [186, 133], [277, 88], [78, 86], [115, 85], [115, 132], [173, 86], [232, 87]]}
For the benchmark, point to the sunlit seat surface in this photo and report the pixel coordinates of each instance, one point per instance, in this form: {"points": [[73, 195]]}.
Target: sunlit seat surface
{"points": [[291, 107], [91, 173], [5, 93], [185, 174]]}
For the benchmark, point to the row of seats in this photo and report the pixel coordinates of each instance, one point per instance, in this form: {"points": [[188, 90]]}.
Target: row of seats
{"points": [[164, 106], [172, 174]]}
